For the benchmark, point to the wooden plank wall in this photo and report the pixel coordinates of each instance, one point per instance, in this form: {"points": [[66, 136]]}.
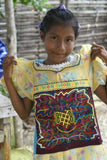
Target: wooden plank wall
{"points": [[92, 16]]}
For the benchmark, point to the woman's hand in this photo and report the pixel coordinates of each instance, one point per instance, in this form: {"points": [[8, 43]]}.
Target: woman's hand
{"points": [[98, 51], [8, 63]]}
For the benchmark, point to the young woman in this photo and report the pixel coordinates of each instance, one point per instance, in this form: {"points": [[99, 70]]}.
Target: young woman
{"points": [[61, 90]]}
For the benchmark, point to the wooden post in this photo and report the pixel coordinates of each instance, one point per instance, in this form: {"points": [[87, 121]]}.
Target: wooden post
{"points": [[2, 151], [11, 28], [5, 139], [1, 140], [6, 111], [7, 147]]}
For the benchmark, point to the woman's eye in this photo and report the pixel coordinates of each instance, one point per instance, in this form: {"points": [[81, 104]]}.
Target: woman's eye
{"points": [[54, 37], [68, 40]]}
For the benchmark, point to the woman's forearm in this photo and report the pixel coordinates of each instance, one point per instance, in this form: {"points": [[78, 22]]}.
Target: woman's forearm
{"points": [[101, 92], [17, 101]]}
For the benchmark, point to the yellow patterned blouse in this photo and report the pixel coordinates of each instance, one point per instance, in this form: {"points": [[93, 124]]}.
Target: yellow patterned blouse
{"points": [[66, 123]]}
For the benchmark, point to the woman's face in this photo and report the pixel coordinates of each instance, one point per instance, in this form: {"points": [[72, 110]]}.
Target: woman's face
{"points": [[59, 43]]}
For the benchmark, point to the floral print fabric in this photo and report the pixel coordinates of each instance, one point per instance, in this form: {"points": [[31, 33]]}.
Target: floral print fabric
{"points": [[85, 153]]}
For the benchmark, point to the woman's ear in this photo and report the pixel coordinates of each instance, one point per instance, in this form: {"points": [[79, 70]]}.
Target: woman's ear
{"points": [[42, 36]]}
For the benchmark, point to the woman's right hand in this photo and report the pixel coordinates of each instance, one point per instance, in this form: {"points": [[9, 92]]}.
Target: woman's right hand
{"points": [[8, 63]]}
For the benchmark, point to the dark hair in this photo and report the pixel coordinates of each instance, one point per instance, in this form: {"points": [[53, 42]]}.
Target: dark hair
{"points": [[57, 16]]}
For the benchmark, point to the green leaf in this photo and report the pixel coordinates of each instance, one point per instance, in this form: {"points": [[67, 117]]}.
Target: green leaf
{"points": [[3, 91], [15, 2], [25, 2], [37, 4], [2, 15], [40, 4]]}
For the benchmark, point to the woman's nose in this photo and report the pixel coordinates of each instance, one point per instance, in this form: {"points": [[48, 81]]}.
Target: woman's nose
{"points": [[61, 45]]}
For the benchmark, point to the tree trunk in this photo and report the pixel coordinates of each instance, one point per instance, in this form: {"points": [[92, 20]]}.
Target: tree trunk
{"points": [[66, 3], [12, 50], [11, 28], [62, 2]]}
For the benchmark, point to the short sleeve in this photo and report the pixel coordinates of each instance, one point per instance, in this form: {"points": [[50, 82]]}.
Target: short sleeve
{"points": [[23, 78], [99, 73], [96, 70]]}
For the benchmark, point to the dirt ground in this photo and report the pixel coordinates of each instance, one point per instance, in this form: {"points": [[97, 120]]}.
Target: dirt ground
{"points": [[21, 154]]}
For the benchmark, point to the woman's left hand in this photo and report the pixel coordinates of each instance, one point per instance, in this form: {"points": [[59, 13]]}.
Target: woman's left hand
{"points": [[98, 51]]}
